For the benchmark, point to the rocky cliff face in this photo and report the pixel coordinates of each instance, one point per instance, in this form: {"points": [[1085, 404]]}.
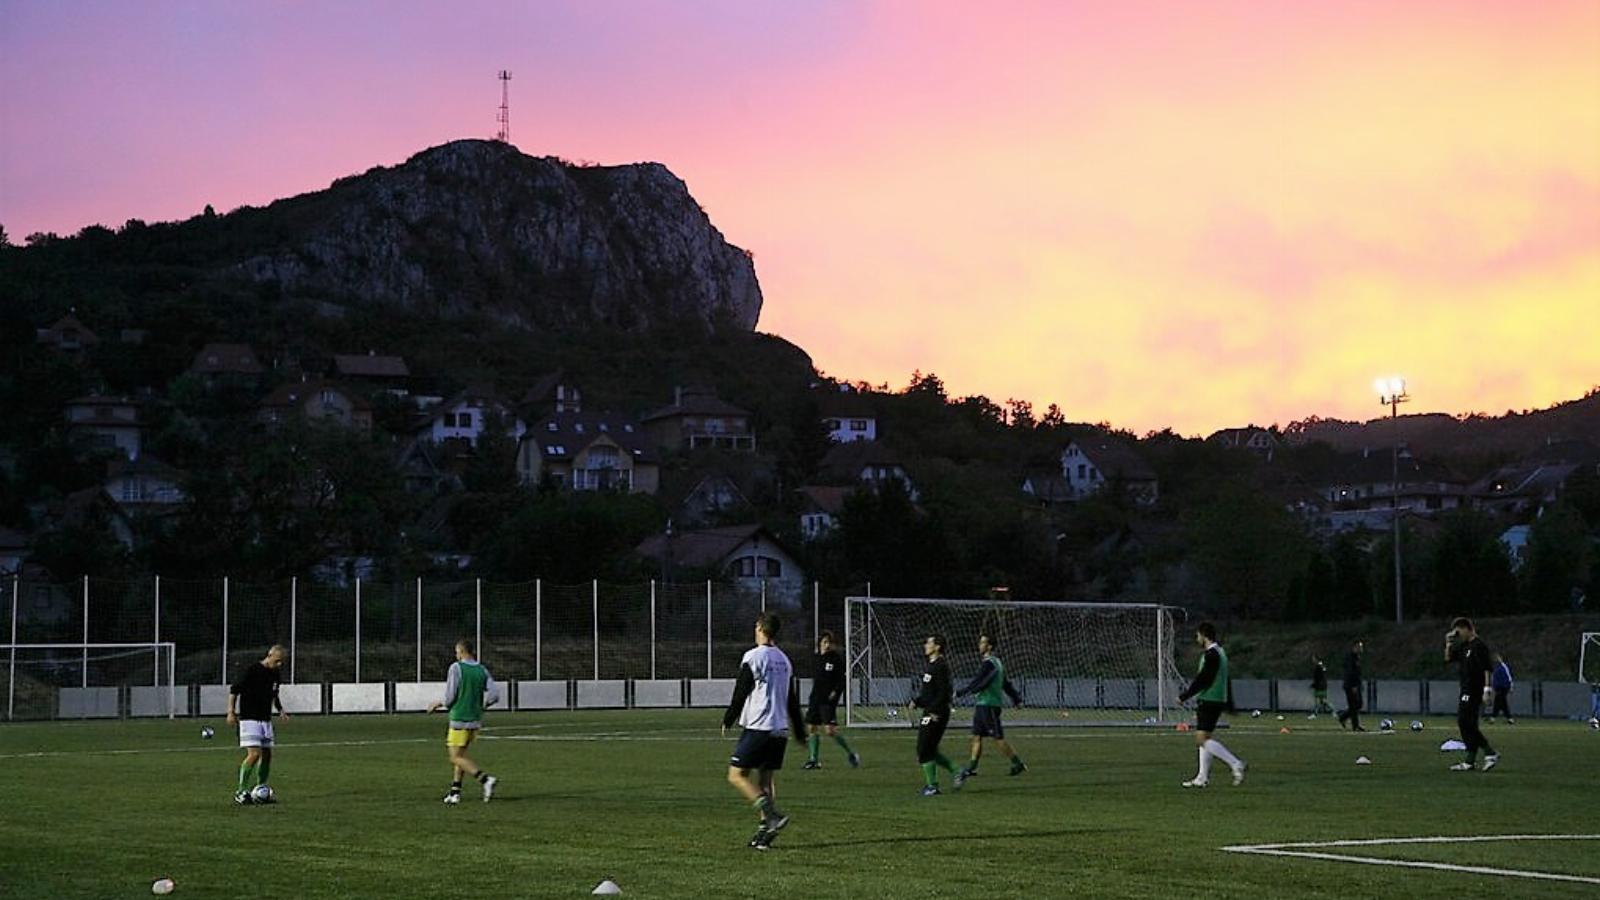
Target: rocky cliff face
{"points": [[476, 226]]}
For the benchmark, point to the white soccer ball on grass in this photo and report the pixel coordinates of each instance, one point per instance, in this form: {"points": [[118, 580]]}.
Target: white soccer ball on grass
{"points": [[1416, 725], [1386, 725], [207, 734], [1594, 723], [263, 794], [1255, 713]]}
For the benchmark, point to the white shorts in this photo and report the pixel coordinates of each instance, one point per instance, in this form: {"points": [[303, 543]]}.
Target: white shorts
{"points": [[253, 733]]}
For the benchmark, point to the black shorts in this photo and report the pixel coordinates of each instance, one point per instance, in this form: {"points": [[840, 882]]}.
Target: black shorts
{"points": [[821, 712], [986, 722], [759, 750], [1206, 714], [930, 732]]}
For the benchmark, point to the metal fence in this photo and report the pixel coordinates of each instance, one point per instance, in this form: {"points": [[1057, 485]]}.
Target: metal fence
{"points": [[406, 631]]}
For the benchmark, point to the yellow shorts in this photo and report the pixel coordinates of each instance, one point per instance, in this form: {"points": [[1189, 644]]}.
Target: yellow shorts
{"points": [[460, 737]]}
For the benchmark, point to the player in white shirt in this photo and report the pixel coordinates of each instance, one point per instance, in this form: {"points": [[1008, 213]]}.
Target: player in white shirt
{"points": [[766, 704]]}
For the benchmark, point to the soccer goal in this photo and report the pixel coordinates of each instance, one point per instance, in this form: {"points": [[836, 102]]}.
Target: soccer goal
{"points": [[1589, 658], [1074, 663], [76, 681]]}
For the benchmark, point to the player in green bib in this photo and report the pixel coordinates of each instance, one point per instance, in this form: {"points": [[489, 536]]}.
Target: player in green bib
{"points": [[991, 687], [1213, 692], [468, 689]]}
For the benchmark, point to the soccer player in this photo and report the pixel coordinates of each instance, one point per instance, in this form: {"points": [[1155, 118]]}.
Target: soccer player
{"points": [[1319, 688], [468, 688], [1352, 687], [1462, 645], [765, 705], [256, 692], [933, 698], [1215, 692], [822, 712], [1500, 679], [989, 684]]}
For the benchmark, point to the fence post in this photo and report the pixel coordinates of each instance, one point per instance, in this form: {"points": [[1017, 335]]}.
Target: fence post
{"points": [[419, 629], [86, 631], [156, 680], [816, 612], [708, 628], [763, 595], [477, 617], [11, 683], [224, 630], [594, 598], [358, 628], [538, 630], [294, 597], [652, 629]]}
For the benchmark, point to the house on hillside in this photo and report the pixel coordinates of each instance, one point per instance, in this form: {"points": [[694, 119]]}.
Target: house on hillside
{"points": [[145, 484], [422, 471], [589, 452], [1367, 481], [227, 362], [847, 414], [66, 335], [697, 419], [1047, 486], [467, 415], [1515, 539], [1257, 440], [1537, 479], [373, 371], [820, 508], [748, 555], [317, 401], [1089, 464], [550, 394], [107, 423], [865, 463], [713, 497], [13, 551]]}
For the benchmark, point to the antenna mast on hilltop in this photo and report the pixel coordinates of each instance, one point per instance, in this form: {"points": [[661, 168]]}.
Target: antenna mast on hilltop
{"points": [[504, 116]]}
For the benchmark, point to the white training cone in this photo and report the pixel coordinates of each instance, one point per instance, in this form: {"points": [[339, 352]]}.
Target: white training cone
{"points": [[1363, 761], [162, 886], [607, 887]]}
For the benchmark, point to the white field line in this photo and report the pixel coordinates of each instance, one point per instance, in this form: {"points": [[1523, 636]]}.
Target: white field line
{"points": [[1299, 849]]}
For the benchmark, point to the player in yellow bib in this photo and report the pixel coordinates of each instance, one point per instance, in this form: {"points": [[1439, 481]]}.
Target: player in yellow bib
{"points": [[468, 689]]}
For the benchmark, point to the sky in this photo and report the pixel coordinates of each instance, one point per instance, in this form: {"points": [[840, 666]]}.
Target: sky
{"points": [[1152, 214]]}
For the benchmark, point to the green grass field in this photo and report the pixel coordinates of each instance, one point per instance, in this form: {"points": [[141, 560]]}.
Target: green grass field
{"points": [[102, 809]]}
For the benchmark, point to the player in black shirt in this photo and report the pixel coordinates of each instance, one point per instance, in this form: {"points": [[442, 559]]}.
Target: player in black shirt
{"points": [[934, 694], [255, 691], [822, 711], [1462, 645], [1353, 686]]}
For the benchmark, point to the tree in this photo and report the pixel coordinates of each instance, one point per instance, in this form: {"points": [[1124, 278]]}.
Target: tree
{"points": [[1467, 568], [1560, 554], [1249, 551]]}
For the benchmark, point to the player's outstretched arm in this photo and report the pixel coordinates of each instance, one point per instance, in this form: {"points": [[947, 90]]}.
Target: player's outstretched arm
{"points": [[796, 716]]}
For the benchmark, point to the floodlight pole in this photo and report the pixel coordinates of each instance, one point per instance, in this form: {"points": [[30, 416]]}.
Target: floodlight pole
{"points": [[1392, 393]]}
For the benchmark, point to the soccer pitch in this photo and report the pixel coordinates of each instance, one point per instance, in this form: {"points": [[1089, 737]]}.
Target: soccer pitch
{"points": [[102, 809]]}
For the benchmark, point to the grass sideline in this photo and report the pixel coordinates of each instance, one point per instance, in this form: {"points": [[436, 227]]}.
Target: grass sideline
{"points": [[102, 809]]}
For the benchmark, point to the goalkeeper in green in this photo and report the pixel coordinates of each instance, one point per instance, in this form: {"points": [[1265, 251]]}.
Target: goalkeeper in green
{"points": [[989, 684]]}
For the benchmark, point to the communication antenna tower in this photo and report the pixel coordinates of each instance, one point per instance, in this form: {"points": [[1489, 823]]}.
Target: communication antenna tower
{"points": [[504, 116]]}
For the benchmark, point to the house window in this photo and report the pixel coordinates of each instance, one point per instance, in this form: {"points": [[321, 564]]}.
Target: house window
{"points": [[770, 568], [858, 424], [1082, 474], [602, 457], [550, 427], [833, 424], [464, 420]]}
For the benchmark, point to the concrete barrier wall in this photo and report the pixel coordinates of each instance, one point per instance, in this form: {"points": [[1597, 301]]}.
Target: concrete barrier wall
{"points": [[1397, 696], [1121, 693], [354, 697], [214, 699], [301, 699], [149, 700], [658, 694], [1443, 696], [1082, 693], [1296, 696], [609, 694], [1566, 699], [1248, 694], [708, 692], [88, 703], [541, 695], [1041, 691], [415, 696]]}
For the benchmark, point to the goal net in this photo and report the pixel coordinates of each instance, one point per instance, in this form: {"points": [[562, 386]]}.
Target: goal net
{"points": [[1589, 658], [1074, 663], [83, 681]]}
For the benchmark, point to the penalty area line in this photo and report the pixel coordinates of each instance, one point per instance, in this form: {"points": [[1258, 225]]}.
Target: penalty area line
{"points": [[1305, 850]]}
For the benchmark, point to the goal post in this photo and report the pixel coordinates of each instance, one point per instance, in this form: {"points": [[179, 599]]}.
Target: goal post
{"points": [[91, 680], [1074, 663]]}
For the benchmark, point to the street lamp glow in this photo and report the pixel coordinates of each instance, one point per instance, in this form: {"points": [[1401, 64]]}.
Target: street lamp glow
{"points": [[1390, 389]]}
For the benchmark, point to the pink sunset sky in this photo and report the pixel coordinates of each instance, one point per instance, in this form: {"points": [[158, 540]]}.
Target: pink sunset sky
{"points": [[1153, 214]]}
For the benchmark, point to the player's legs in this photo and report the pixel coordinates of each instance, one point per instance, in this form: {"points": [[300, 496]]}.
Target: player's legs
{"points": [[1467, 713], [838, 738], [247, 770], [747, 787], [264, 768]]}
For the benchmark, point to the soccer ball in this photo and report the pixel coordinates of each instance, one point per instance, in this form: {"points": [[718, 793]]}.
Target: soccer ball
{"points": [[1255, 714], [263, 794], [1280, 718], [1594, 723], [1386, 725], [1416, 725], [207, 734], [894, 713]]}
